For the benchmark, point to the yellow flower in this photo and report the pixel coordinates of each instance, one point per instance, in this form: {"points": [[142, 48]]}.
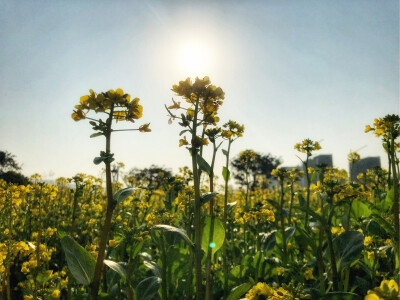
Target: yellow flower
{"points": [[183, 142], [388, 290], [112, 243], [367, 241], [280, 271], [308, 274], [56, 294], [371, 254], [337, 230], [145, 128]]}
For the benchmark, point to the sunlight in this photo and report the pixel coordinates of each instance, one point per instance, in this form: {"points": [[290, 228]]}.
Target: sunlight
{"points": [[194, 58]]}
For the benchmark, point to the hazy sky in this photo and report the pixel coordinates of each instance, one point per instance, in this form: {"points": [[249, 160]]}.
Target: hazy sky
{"points": [[290, 70]]}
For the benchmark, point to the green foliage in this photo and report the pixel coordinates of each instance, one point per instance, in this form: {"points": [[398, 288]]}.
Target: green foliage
{"points": [[203, 165], [80, 262], [348, 247], [218, 234], [148, 288], [175, 230], [239, 291]]}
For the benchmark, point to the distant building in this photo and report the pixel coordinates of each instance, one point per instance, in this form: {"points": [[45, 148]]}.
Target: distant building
{"points": [[363, 165]]}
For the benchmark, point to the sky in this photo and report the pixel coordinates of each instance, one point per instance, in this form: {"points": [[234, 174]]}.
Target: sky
{"points": [[291, 70]]}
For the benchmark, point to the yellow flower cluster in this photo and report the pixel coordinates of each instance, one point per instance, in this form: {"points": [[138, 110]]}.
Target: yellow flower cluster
{"points": [[307, 146], [258, 216], [353, 157], [387, 127], [131, 109], [232, 129], [388, 290], [264, 291]]}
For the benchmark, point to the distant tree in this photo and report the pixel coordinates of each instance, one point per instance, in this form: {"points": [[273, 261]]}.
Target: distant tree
{"points": [[148, 177], [9, 168], [7, 162], [248, 165]]}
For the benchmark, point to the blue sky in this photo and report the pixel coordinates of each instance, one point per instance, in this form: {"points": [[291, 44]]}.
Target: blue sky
{"points": [[290, 70]]}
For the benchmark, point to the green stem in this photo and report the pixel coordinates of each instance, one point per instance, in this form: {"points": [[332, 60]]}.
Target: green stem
{"points": [[211, 236], [225, 217], [197, 208], [396, 196], [95, 285], [283, 224], [308, 194]]}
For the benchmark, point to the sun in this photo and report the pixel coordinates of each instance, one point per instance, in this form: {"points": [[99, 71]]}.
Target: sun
{"points": [[194, 58]]}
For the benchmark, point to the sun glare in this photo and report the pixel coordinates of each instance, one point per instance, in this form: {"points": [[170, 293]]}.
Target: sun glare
{"points": [[194, 58]]}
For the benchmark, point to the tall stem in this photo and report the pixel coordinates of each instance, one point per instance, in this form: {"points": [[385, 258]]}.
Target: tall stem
{"points": [[308, 193], [283, 224], [197, 208], [95, 285], [396, 195], [224, 249], [209, 253]]}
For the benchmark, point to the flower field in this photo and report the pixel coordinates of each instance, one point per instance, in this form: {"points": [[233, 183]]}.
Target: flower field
{"points": [[307, 233]]}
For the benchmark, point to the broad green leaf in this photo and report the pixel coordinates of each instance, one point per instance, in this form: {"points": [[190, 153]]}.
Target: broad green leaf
{"points": [[117, 267], [360, 209], [80, 262], [98, 160], [207, 197], [312, 177], [148, 288], [387, 203], [123, 194], [153, 267], [239, 291], [348, 247], [176, 230], [203, 165], [238, 272], [384, 224], [96, 134], [218, 234], [268, 240], [225, 173], [302, 201]]}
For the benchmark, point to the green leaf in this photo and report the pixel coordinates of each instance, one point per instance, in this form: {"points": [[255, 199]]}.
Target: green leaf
{"points": [[207, 197], [218, 234], [268, 240], [313, 176], [384, 224], [226, 173], [117, 267], [183, 131], [348, 247], [96, 134], [148, 288], [387, 203], [123, 194], [80, 262], [176, 230], [238, 291], [225, 152], [203, 165], [360, 209], [98, 160], [153, 267], [302, 201]]}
